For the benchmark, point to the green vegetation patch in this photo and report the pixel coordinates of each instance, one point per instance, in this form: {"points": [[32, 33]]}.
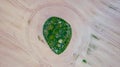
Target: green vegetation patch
{"points": [[57, 33], [85, 61]]}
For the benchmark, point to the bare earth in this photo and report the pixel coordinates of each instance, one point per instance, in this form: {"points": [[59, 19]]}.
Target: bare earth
{"points": [[95, 33]]}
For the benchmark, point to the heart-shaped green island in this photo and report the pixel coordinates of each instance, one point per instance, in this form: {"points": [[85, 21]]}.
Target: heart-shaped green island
{"points": [[57, 33]]}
